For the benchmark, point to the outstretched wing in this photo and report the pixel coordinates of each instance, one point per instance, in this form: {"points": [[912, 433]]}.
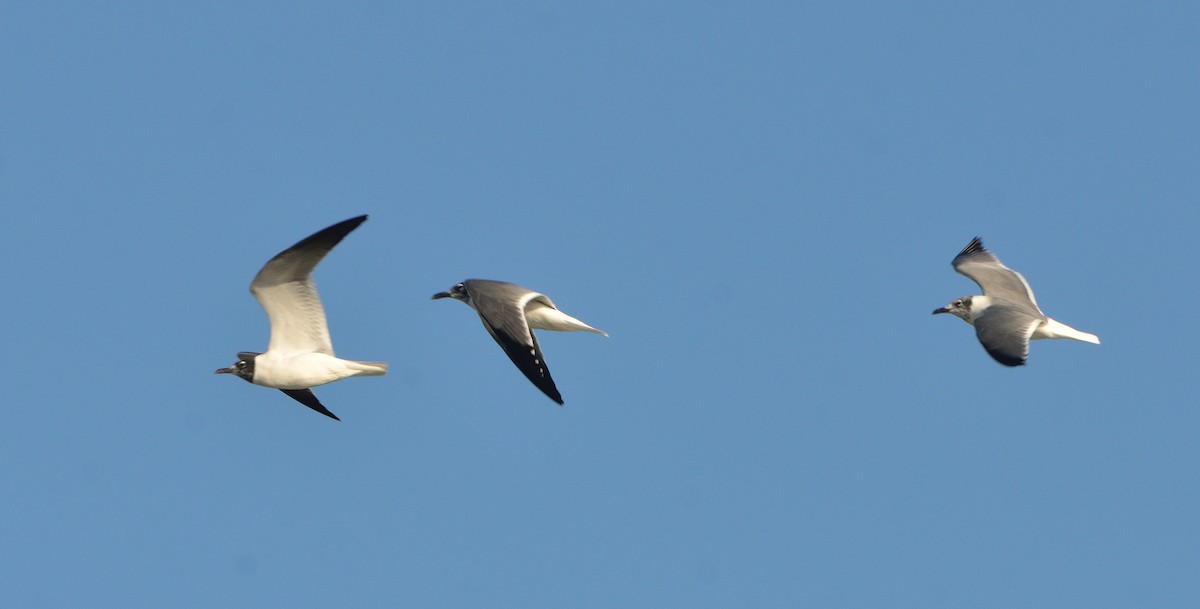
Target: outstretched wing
{"points": [[996, 280], [286, 290], [501, 307]]}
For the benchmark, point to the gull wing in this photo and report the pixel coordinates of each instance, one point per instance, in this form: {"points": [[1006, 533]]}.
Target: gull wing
{"points": [[996, 280], [501, 307], [1004, 332], [286, 290], [308, 398]]}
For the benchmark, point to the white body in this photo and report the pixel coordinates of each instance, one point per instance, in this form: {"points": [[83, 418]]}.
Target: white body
{"points": [[305, 370], [1043, 328]]}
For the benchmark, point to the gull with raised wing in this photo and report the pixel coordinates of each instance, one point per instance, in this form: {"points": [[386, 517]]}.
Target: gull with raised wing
{"points": [[299, 355], [1006, 317], [511, 313]]}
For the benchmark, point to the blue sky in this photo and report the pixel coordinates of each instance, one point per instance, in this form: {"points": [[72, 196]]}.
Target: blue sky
{"points": [[758, 201]]}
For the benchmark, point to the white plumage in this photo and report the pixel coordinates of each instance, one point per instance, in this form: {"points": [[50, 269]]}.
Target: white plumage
{"points": [[300, 354]]}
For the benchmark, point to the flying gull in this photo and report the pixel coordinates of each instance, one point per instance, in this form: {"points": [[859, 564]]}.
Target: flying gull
{"points": [[510, 313], [300, 353], [1006, 316]]}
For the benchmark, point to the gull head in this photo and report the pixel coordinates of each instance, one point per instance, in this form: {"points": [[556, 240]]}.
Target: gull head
{"points": [[243, 368], [960, 307], [458, 292]]}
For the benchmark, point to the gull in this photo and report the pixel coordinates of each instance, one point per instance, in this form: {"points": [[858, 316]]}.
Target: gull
{"points": [[510, 313], [1006, 316], [299, 355]]}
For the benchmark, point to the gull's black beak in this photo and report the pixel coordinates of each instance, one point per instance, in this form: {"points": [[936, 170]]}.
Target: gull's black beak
{"points": [[441, 295], [941, 310], [224, 371]]}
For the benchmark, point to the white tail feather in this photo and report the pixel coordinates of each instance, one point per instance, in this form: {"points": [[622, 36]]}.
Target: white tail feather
{"points": [[368, 368], [1055, 329], [547, 318]]}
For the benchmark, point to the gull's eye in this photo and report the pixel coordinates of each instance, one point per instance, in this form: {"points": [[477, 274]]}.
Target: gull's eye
{"points": [[241, 365]]}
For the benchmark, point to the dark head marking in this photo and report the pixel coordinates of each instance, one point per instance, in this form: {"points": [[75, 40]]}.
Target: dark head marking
{"points": [[243, 368]]}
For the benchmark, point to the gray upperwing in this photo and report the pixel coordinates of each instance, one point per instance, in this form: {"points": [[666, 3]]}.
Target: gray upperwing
{"points": [[285, 289], [501, 307], [1004, 332], [996, 280]]}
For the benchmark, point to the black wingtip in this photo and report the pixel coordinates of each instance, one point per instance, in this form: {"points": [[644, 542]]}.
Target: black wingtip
{"points": [[345, 226], [528, 359], [1011, 362], [546, 384], [329, 236], [976, 245], [308, 398]]}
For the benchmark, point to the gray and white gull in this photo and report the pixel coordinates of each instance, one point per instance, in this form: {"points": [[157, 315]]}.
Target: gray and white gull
{"points": [[299, 355], [510, 313], [1006, 317]]}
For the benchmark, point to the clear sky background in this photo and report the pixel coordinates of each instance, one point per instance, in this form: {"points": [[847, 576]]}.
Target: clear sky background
{"points": [[758, 201]]}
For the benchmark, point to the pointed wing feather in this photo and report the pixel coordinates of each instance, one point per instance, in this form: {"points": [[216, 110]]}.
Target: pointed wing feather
{"points": [[996, 280], [286, 290], [308, 398]]}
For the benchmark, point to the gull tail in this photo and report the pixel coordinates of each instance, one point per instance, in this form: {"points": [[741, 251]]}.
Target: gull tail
{"points": [[1055, 329], [367, 368], [546, 318]]}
